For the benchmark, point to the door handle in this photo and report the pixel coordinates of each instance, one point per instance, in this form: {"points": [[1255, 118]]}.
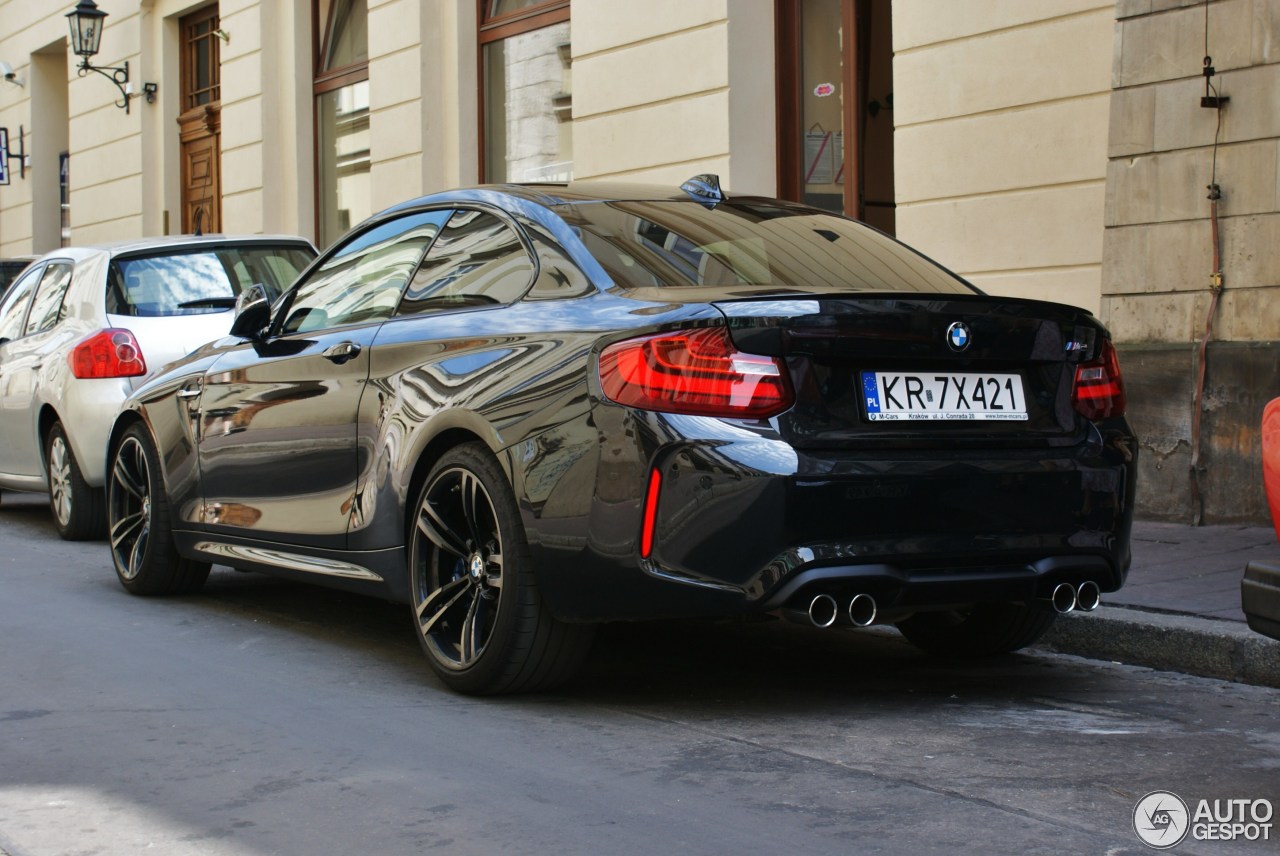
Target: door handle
{"points": [[342, 352], [189, 393]]}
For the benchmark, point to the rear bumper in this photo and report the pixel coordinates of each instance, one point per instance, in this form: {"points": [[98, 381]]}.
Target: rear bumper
{"points": [[746, 523], [1260, 598]]}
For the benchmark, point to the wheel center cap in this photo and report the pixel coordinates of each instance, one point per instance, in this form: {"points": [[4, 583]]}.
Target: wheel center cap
{"points": [[476, 566]]}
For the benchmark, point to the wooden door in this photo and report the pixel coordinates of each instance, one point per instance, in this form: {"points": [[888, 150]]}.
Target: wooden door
{"points": [[199, 125]]}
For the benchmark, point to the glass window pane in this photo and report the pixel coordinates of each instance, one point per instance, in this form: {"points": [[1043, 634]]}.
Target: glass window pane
{"points": [[498, 8], [347, 41], [46, 309], [198, 282], [822, 94], [528, 107], [478, 260], [363, 280], [645, 244], [342, 124], [14, 309]]}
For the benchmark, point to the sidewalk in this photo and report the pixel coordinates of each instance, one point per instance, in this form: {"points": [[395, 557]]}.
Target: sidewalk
{"points": [[1180, 608]]}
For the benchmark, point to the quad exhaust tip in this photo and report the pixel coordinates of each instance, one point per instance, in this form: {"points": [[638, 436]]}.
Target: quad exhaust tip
{"points": [[823, 610], [1063, 598], [862, 610], [1088, 596]]}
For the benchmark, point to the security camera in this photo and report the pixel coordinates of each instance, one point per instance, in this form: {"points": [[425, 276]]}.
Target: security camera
{"points": [[7, 71]]}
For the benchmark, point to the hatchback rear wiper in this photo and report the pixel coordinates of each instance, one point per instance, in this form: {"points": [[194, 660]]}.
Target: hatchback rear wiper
{"points": [[219, 302]]}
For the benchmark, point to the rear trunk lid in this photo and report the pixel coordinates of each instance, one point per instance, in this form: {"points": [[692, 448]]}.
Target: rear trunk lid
{"points": [[921, 370]]}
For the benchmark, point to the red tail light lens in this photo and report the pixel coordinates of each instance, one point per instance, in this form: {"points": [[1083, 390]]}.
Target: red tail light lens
{"points": [[108, 353], [650, 513], [694, 371], [1099, 389]]}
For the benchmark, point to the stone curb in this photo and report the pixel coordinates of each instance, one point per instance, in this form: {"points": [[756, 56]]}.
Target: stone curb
{"points": [[1227, 650]]}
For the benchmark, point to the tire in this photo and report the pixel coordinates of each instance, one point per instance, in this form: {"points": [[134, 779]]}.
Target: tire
{"points": [[476, 606], [139, 523], [77, 508], [983, 631]]}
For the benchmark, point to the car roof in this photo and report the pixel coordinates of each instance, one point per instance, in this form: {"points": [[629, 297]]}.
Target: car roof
{"points": [[552, 194], [168, 242]]}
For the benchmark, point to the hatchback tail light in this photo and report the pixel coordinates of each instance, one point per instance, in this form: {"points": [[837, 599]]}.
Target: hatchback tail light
{"points": [[108, 353], [1099, 386], [698, 372]]}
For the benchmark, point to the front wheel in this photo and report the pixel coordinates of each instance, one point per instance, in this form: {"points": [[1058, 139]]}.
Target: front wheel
{"points": [[476, 606], [77, 507], [138, 518], [982, 631]]}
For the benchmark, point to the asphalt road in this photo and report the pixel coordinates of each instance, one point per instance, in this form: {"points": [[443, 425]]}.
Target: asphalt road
{"points": [[262, 717]]}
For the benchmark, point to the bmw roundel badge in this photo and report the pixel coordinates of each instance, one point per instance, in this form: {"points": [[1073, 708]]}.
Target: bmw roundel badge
{"points": [[958, 336]]}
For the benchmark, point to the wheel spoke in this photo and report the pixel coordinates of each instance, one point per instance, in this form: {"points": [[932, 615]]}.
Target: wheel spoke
{"points": [[439, 532], [493, 568], [126, 527], [138, 552], [127, 480], [451, 592], [472, 629], [470, 488]]}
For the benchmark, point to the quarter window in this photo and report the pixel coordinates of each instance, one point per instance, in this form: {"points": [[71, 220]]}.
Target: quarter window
{"points": [[13, 312], [46, 309], [478, 260], [362, 281]]}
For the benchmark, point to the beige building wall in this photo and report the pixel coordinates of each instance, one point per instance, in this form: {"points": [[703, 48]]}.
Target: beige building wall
{"points": [[667, 89], [1001, 114]]}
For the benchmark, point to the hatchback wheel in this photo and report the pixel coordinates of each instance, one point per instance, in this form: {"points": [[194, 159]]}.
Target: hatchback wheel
{"points": [[77, 508], [984, 630], [138, 518], [476, 605]]}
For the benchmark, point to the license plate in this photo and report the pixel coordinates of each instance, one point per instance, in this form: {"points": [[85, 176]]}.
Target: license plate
{"points": [[943, 396]]}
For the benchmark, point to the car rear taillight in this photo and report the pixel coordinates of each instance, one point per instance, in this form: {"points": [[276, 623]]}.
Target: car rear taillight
{"points": [[108, 353], [694, 371], [1099, 387]]}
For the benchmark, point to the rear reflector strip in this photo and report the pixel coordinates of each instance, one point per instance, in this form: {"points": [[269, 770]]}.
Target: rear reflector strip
{"points": [[650, 513]]}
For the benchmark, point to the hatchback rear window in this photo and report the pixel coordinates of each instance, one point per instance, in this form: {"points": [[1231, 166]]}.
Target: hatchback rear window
{"points": [[196, 282], [745, 243]]}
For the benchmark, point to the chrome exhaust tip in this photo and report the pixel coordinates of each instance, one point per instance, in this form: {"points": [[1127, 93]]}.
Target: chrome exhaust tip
{"points": [[862, 610], [1063, 598], [823, 610], [1088, 596]]}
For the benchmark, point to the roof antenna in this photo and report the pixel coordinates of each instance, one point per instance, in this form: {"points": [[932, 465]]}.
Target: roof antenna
{"points": [[705, 189]]}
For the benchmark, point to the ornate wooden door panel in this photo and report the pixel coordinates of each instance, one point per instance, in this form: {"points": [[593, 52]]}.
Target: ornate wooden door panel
{"points": [[201, 178]]}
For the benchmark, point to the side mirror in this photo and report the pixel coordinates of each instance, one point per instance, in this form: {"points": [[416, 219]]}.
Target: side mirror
{"points": [[253, 313]]}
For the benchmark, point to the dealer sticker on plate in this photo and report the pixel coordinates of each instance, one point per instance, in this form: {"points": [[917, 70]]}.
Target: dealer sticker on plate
{"points": [[939, 396]]}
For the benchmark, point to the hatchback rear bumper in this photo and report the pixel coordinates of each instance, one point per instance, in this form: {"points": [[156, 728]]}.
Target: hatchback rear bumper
{"points": [[1260, 598]]}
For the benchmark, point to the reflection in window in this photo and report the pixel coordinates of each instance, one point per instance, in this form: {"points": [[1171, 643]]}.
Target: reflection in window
{"points": [[478, 260], [199, 282], [362, 281], [528, 106], [341, 91], [46, 310]]}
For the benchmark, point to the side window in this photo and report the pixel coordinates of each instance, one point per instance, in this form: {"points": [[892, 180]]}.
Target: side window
{"points": [[13, 312], [477, 260], [362, 281], [46, 309]]}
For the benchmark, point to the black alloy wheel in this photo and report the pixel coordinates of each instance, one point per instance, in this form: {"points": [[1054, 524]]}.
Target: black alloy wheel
{"points": [[476, 606], [139, 529]]}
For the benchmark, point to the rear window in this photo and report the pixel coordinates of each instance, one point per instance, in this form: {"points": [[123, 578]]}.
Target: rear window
{"points": [[747, 243], [199, 281]]}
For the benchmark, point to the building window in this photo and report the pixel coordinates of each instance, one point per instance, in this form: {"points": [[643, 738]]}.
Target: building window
{"points": [[342, 116], [835, 107], [64, 198], [201, 61], [525, 92]]}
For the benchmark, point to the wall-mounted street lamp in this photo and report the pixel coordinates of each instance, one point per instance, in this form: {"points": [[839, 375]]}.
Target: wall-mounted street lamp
{"points": [[86, 22]]}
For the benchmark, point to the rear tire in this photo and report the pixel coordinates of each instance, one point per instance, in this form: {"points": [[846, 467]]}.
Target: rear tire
{"points": [[985, 630], [77, 508], [139, 523], [476, 606]]}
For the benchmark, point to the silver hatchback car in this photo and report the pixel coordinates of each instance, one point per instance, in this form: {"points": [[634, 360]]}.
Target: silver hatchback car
{"points": [[82, 327]]}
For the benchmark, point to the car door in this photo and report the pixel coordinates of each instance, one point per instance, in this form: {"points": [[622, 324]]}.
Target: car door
{"points": [[27, 325], [277, 440]]}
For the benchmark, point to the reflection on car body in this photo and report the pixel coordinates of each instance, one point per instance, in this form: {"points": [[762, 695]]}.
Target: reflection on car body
{"points": [[524, 410]]}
